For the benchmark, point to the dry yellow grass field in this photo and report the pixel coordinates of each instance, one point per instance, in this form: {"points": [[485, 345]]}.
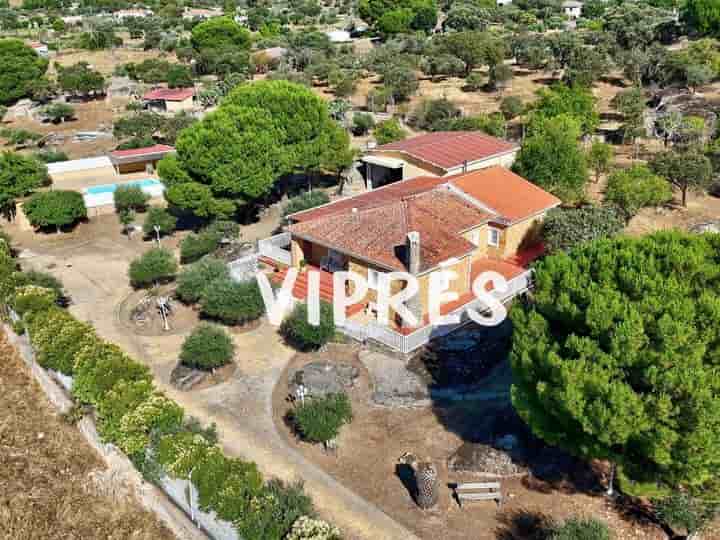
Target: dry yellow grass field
{"points": [[46, 470]]}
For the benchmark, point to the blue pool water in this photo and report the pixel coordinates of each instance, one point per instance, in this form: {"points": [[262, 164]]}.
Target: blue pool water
{"points": [[110, 188]]}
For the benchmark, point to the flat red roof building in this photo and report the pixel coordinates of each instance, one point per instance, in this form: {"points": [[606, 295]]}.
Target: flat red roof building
{"points": [[169, 94], [442, 153]]}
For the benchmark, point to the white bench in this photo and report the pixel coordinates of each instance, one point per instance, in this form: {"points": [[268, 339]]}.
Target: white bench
{"points": [[478, 491]]}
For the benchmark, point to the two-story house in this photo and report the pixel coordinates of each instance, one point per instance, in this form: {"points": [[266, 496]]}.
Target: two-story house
{"points": [[485, 220]]}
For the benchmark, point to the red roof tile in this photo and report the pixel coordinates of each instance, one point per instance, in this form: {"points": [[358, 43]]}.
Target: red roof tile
{"points": [[378, 233], [510, 195], [376, 197], [448, 149], [169, 94], [133, 152]]}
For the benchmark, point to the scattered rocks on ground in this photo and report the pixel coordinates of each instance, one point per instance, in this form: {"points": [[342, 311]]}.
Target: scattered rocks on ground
{"points": [[484, 459], [322, 378], [185, 378], [707, 227], [393, 384]]}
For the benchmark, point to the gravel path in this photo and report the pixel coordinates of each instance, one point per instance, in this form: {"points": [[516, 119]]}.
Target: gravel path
{"points": [[94, 275]]}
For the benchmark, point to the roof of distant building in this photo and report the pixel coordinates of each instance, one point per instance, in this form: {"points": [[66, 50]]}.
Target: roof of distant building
{"points": [[169, 94], [139, 152], [450, 149]]}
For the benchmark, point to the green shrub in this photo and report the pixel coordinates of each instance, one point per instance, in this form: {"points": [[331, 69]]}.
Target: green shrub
{"points": [[320, 419], [153, 266], [219, 478], [232, 302], [31, 299], [124, 397], [307, 200], [156, 414], [389, 131], [272, 513], [57, 208], [581, 529], [511, 106], [161, 218], [57, 337], [194, 279], [362, 123], [475, 81], [681, 511], [307, 528], [51, 156], [224, 229], [99, 367], [564, 229], [635, 188], [298, 331], [196, 246], [41, 279], [130, 198], [430, 112], [179, 453], [207, 347]]}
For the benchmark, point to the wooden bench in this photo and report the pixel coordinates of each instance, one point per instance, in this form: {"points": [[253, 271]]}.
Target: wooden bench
{"points": [[478, 491]]}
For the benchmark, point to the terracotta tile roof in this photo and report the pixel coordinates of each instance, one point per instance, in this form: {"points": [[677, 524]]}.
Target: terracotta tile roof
{"points": [[376, 197], [448, 149], [169, 94], [148, 150], [377, 233], [510, 195]]}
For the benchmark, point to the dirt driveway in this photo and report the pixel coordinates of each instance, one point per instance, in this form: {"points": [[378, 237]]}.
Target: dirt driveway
{"points": [[92, 262]]}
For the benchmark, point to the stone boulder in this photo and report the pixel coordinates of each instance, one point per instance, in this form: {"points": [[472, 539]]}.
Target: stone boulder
{"points": [[484, 459], [322, 378]]}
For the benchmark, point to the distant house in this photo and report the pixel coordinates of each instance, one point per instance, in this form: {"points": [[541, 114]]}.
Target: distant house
{"points": [[72, 20], [572, 9], [170, 100], [482, 221], [132, 13], [40, 48], [441, 153], [200, 13], [339, 36], [139, 159]]}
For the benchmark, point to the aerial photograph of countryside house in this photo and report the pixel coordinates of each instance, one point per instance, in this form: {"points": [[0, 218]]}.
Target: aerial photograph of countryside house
{"points": [[360, 269]]}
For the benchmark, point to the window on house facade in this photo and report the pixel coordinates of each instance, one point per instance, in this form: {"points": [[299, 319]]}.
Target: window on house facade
{"points": [[494, 237], [475, 237]]}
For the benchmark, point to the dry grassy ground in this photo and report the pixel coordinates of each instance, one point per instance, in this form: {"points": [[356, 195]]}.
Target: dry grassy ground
{"points": [[46, 471]]}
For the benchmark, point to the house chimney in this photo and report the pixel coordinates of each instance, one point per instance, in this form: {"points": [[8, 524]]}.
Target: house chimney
{"points": [[412, 249]]}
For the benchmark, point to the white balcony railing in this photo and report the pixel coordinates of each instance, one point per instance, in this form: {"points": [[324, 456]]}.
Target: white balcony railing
{"points": [[410, 342], [276, 248]]}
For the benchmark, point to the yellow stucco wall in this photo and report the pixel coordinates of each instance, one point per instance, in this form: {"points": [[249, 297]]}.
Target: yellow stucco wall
{"points": [[177, 106], [520, 235]]}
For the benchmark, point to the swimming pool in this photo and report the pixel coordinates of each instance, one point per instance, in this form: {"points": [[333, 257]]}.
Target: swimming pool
{"points": [[110, 188]]}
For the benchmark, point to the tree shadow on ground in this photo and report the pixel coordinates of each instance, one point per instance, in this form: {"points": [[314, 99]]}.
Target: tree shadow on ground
{"points": [[639, 513], [469, 380], [523, 524], [406, 474]]}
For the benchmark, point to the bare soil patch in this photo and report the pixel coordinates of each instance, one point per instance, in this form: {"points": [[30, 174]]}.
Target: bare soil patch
{"points": [[46, 490], [368, 461]]}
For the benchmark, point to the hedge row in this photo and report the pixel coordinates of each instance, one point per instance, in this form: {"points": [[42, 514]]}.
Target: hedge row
{"points": [[151, 428]]}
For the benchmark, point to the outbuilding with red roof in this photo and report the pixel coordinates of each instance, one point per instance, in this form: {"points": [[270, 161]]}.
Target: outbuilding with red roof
{"points": [[170, 100], [139, 159], [441, 153]]}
